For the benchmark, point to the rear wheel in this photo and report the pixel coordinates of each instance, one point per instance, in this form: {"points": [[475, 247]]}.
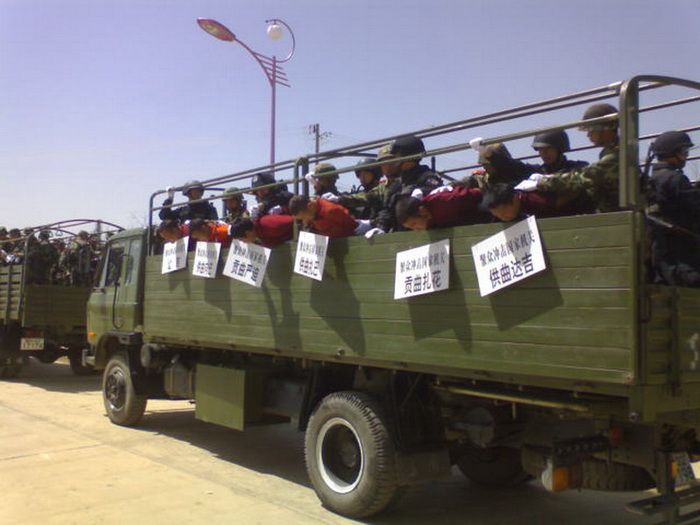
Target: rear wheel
{"points": [[122, 404], [492, 467], [10, 355], [350, 455], [608, 476]]}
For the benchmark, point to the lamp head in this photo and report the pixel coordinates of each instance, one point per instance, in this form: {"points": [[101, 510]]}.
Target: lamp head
{"points": [[217, 29]]}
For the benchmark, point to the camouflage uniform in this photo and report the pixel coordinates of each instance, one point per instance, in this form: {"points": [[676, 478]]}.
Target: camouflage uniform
{"points": [[365, 204], [75, 262], [231, 217], [598, 183]]}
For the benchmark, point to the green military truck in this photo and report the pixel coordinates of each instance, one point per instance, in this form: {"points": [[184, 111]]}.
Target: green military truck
{"points": [[45, 320], [583, 375]]}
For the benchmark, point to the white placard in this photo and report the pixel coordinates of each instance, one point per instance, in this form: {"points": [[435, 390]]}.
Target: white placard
{"points": [[509, 256], [175, 255], [206, 259], [247, 262], [311, 255], [422, 270]]}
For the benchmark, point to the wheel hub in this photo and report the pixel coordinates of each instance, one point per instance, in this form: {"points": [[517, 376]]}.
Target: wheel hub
{"points": [[340, 455], [115, 389]]}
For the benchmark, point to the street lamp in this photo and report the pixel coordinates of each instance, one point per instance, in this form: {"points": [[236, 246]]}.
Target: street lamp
{"points": [[270, 65]]}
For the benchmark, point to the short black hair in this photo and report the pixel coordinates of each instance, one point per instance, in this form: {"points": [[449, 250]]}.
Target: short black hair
{"points": [[498, 194], [406, 207], [298, 203], [168, 224], [240, 228], [198, 224]]}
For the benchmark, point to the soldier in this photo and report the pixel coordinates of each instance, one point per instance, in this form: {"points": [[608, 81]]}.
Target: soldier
{"points": [[234, 206], [5, 246], [75, 261], [596, 185], [551, 147], [16, 254], [413, 178], [324, 185], [367, 200], [193, 190], [274, 200], [499, 166], [675, 249], [42, 259]]}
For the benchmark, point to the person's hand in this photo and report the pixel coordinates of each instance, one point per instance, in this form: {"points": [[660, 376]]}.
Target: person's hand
{"points": [[441, 189], [527, 185], [330, 197], [171, 192], [309, 178], [256, 211], [475, 143], [374, 231], [276, 210], [417, 194], [363, 226]]}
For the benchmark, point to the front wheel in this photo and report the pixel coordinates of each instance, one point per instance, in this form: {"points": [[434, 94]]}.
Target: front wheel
{"points": [[122, 404], [350, 455]]}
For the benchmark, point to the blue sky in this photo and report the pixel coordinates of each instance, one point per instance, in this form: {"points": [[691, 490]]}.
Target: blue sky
{"points": [[103, 102]]}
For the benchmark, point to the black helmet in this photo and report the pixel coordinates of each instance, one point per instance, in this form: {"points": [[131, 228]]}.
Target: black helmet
{"points": [[557, 139], [192, 185], [325, 167], [670, 142], [374, 170], [262, 179], [44, 235], [599, 110], [233, 193], [407, 145]]}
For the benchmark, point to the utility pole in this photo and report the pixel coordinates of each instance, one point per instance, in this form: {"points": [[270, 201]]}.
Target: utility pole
{"points": [[315, 130]]}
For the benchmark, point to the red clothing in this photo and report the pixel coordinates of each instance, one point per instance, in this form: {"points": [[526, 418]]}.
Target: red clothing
{"points": [[455, 208], [273, 230], [540, 204], [333, 220], [219, 232]]}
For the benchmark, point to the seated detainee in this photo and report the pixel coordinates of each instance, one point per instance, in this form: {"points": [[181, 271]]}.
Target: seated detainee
{"points": [[210, 231], [323, 217], [453, 206], [268, 230], [507, 204]]}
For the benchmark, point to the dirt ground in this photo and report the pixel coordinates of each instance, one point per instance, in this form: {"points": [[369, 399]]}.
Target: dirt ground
{"points": [[63, 462]]}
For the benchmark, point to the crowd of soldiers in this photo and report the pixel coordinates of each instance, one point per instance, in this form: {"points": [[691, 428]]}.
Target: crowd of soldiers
{"points": [[51, 260], [403, 194]]}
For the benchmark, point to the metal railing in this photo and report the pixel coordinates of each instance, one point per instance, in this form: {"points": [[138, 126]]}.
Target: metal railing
{"points": [[626, 92]]}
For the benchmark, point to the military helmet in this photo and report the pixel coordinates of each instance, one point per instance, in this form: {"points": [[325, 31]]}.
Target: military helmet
{"points": [[385, 152], [44, 235], [325, 167], [557, 139], [374, 170], [192, 185], [262, 179], [27, 231], [407, 145], [82, 234], [668, 143], [233, 193], [3, 230], [599, 110], [15, 232], [493, 153]]}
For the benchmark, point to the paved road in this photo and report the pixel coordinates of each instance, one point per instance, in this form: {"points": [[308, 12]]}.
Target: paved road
{"points": [[62, 462]]}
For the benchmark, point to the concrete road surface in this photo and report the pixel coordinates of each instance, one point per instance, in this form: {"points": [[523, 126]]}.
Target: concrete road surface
{"points": [[63, 462]]}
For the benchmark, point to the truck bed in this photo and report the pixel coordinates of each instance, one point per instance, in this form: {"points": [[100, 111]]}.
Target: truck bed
{"points": [[575, 323]]}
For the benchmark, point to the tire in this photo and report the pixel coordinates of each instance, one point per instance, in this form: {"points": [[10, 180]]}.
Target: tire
{"points": [[350, 455], [10, 355], [76, 365], [614, 477], [47, 356], [492, 467], [123, 406]]}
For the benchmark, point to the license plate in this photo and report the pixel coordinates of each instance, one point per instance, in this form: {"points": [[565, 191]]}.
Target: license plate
{"points": [[31, 343], [685, 469]]}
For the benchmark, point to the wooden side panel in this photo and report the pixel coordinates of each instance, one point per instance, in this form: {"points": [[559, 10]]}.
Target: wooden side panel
{"points": [[10, 283], [55, 306], [573, 321]]}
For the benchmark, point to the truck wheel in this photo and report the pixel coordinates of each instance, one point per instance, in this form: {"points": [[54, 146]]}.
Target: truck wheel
{"points": [[10, 371], [493, 466], [76, 365], [124, 407], [601, 475], [350, 455], [10, 358]]}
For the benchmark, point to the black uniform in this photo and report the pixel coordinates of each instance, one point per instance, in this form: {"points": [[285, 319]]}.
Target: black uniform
{"points": [[675, 255], [419, 177], [278, 197], [196, 210], [563, 164]]}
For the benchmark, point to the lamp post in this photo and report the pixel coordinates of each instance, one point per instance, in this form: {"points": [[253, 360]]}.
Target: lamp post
{"points": [[270, 65]]}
